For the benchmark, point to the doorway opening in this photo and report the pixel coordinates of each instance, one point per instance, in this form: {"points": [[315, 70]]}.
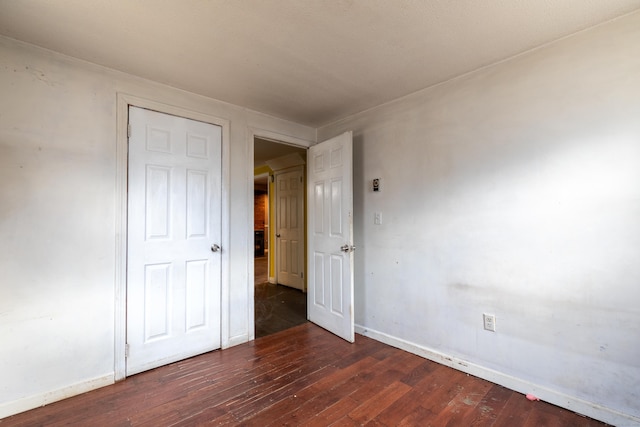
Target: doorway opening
{"points": [[280, 299]]}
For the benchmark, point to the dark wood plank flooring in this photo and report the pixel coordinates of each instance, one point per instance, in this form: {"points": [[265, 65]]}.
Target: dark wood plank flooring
{"points": [[277, 307], [303, 376]]}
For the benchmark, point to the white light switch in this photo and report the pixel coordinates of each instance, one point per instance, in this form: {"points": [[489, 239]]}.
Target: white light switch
{"points": [[377, 218]]}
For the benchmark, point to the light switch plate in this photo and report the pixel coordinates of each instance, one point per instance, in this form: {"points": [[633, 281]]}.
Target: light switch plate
{"points": [[377, 218]]}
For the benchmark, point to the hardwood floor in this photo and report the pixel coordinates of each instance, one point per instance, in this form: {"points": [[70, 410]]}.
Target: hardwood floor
{"points": [[303, 376], [277, 307]]}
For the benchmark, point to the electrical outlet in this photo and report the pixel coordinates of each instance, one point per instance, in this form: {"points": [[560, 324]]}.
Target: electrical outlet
{"points": [[489, 322]]}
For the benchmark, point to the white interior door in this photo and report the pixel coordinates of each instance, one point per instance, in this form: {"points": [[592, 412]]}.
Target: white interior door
{"points": [[290, 228], [174, 229], [330, 235]]}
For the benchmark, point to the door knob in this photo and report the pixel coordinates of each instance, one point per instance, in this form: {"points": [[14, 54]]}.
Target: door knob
{"points": [[278, 235], [215, 248], [347, 248]]}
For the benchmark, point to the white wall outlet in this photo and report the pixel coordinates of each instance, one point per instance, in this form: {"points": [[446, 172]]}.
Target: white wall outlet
{"points": [[377, 218], [489, 322]]}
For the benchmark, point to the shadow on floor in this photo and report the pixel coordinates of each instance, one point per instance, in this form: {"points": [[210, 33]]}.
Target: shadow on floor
{"points": [[277, 307]]}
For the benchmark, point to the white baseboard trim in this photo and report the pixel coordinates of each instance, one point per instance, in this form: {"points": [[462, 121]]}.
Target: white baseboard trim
{"points": [[42, 399], [238, 339], [272, 280], [571, 403]]}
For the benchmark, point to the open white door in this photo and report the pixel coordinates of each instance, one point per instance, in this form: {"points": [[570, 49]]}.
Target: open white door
{"points": [[174, 229], [290, 227], [330, 235]]}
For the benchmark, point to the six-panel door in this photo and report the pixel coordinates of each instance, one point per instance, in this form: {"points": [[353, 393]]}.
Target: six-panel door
{"points": [[290, 228], [174, 222], [330, 235]]}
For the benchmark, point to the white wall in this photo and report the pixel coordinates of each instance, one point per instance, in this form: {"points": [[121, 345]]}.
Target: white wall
{"points": [[514, 190], [58, 219]]}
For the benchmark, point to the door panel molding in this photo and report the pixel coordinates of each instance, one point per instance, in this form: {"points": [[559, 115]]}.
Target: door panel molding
{"points": [[123, 101]]}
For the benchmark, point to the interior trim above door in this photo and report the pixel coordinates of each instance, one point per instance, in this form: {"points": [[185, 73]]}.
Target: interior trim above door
{"points": [[122, 118]]}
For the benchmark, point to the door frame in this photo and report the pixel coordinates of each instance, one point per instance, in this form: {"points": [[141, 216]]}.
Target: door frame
{"points": [[123, 101], [252, 133]]}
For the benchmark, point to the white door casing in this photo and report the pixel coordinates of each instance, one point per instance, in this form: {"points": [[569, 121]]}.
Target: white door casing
{"points": [[330, 235], [290, 227], [174, 222]]}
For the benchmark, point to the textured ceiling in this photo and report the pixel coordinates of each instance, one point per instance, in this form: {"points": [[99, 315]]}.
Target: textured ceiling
{"points": [[309, 61]]}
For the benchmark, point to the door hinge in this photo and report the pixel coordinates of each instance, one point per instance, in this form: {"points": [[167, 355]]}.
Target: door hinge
{"points": [[126, 350], [128, 130], [300, 179]]}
